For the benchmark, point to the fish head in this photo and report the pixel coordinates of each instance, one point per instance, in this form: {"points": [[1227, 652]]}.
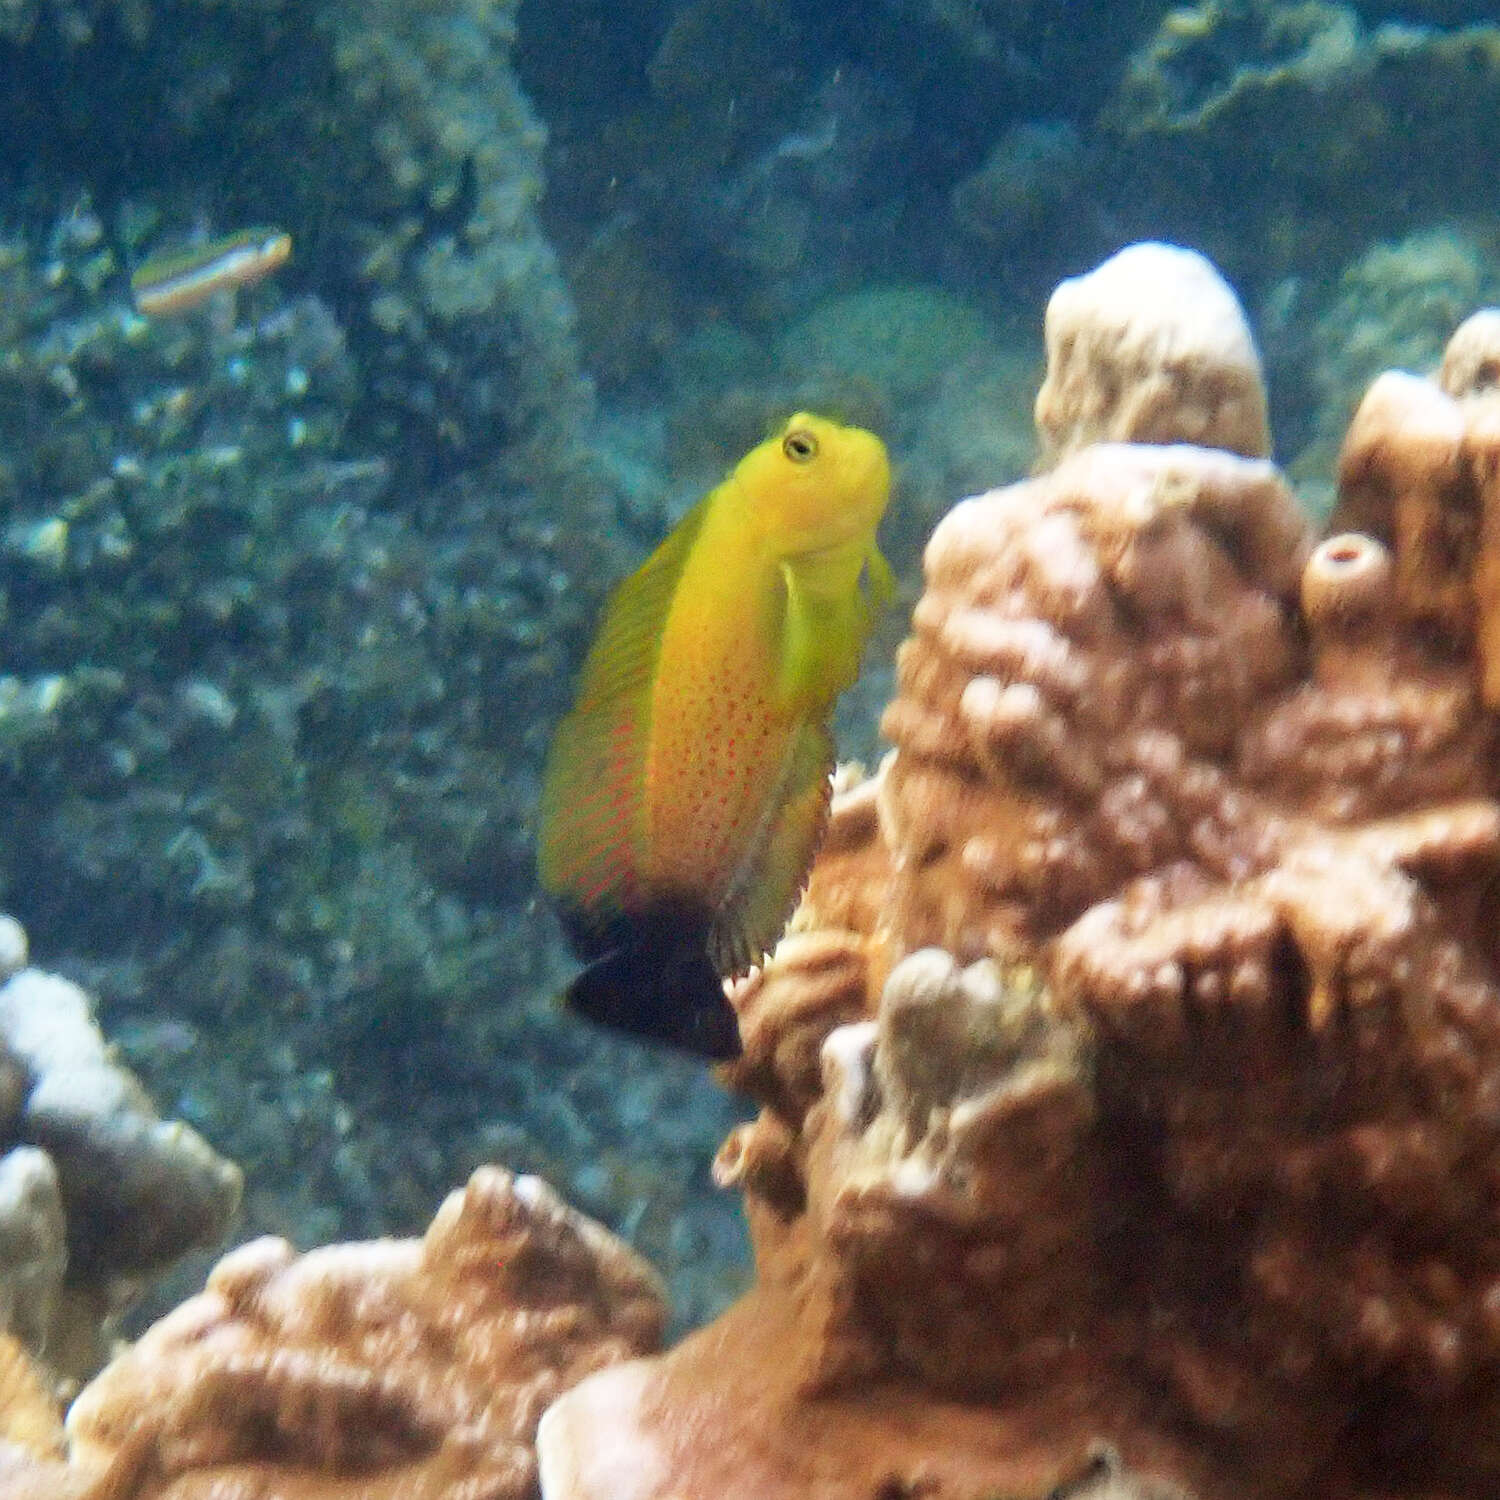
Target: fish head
{"points": [[815, 484]]}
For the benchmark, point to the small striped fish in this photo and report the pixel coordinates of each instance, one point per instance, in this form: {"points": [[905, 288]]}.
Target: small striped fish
{"points": [[185, 279]]}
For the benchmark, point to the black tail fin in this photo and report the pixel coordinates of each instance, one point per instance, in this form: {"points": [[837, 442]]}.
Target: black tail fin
{"points": [[658, 984]]}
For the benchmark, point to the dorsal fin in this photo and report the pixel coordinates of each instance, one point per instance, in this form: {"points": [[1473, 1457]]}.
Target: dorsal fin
{"points": [[589, 839], [623, 656]]}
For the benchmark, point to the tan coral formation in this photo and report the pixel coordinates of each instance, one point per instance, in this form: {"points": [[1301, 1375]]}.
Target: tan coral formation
{"points": [[1151, 347], [1421, 471], [390, 1370], [97, 1194], [1153, 983], [32, 1466]]}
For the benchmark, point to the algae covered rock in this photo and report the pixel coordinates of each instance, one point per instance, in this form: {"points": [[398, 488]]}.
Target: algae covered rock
{"points": [[1289, 135], [899, 339]]}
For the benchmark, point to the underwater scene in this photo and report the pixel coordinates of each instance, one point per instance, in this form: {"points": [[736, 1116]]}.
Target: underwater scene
{"points": [[749, 749]]}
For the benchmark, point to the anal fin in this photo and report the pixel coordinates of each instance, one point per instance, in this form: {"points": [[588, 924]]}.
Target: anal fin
{"points": [[774, 870]]}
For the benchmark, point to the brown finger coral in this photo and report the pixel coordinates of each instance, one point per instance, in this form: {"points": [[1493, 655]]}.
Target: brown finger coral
{"points": [[399, 1368], [1153, 984], [1421, 471]]}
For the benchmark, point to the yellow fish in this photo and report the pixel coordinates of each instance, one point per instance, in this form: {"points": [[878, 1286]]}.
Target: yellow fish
{"points": [[685, 794]]}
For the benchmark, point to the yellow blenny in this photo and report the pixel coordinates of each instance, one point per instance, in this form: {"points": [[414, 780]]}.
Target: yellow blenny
{"points": [[185, 279], [686, 792]]}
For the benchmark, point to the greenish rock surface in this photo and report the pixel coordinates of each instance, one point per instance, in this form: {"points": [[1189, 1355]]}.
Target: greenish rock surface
{"points": [[1288, 135], [900, 339]]}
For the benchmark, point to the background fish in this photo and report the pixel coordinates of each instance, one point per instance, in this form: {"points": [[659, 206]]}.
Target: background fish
{"points": [[686, 791], [181, 280]]}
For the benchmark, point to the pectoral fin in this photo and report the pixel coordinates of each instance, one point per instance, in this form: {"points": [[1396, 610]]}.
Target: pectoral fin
{"points": [[880, 582], [831, 603]]}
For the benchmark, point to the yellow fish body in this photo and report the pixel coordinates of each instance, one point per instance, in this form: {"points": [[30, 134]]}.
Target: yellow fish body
{"points": [[686, 791]]}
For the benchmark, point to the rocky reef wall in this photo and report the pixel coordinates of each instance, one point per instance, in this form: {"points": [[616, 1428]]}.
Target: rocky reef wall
{"points": [[1129, 1116], [292, 587]]}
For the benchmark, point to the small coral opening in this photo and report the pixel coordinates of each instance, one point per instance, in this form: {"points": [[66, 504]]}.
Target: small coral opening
{"points": [[1292, 984]]}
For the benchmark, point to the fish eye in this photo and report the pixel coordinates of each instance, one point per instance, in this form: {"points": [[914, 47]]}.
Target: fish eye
{"points": [[800, 446]]}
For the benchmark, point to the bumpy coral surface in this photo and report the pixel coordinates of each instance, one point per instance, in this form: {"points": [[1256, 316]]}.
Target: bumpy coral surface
{"points": [[1151, 347], [1421, 471], [31, 1434], [396, 1368], [1130, 1074], [97, 1193]]}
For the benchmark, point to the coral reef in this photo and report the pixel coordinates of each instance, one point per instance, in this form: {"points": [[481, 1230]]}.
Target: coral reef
{"points": [[401, 1368], [291, 592], [408, 178], [1129, 1073], [97, 1194], [473, 323], [1351, 113], [271, 722], [1394, 306], [698, 188], [1419, 472], [798, 180], [1027, 187]]}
